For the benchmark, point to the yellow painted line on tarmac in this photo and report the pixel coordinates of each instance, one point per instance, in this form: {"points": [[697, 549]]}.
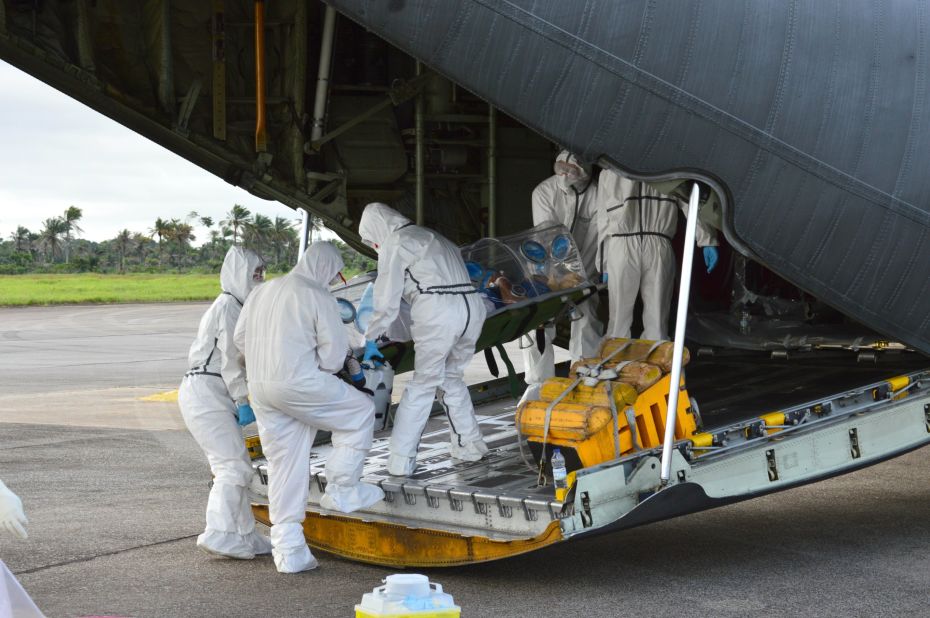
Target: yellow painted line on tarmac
{"points": [[166, 397]]}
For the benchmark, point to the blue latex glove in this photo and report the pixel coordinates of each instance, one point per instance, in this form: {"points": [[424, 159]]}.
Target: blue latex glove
{"points": [[710, 257], [372, 352], [603, 277], [245, 414]]}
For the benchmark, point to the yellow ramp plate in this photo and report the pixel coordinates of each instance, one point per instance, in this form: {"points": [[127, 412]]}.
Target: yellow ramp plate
{"points": [[399, 546]]}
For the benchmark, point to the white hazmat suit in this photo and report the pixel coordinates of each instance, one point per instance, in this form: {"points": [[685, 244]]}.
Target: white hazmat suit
{"points": [[636, 225], [294, 341], [570, 198], [12, 517], [208, 396], [14, 601], [421, 267]]}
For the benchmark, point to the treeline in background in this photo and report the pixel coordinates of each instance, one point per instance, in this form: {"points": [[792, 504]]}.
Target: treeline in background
{"points": [[56, 246]]}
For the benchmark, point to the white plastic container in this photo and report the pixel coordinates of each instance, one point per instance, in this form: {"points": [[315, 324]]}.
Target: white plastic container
{"points": [[407, 595], [379, 378]]}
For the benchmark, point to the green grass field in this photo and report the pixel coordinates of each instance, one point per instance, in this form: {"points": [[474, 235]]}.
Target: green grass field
{"points": [[20, 290], [71, 289]]}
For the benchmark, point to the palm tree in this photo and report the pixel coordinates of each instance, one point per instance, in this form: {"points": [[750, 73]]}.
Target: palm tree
{"points": [[139, 242], [282, 234], [182, 235], [207, 222], [216, 238], [34, 244], [257, 232], [160, 229], [72, 215], [123, 241], [22, 241], [236, 218], [52, 231]]}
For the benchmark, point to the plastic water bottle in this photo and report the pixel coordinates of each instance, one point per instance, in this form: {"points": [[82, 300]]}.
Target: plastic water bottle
{"points": [[744, 322], [559, 474]]}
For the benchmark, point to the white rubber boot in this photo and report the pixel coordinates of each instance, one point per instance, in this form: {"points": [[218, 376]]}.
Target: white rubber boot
{"points": [[350, 499], [472, 451], [401, 466]]}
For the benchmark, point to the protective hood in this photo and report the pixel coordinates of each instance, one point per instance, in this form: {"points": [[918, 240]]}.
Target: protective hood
{"points": [[378, 222], [320, 263], [571, 168], [236, 274]]}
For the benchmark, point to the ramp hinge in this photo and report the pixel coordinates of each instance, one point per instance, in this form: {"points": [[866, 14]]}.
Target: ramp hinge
{"points": [[854, 443], [586, 520], [772, 466]]}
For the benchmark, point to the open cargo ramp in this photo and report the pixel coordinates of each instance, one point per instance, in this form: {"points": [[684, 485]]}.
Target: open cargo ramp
{"points": [[445, 514], [450, 513]]}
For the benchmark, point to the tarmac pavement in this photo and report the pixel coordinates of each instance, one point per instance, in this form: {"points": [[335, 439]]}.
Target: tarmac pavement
{"points": [[115, 491]]}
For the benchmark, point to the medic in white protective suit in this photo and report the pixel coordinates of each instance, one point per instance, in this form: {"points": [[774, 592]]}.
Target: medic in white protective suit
{"points": [[214, 401], [447, 314], [14, 601], [12, 517], [294, 341], [636, 225], [570, 198]]}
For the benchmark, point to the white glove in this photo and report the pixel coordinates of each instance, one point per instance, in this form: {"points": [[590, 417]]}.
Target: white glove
{"points": [[12, 517]]}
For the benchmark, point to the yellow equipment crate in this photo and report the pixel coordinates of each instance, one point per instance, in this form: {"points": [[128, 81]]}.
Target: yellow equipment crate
{"points": [[624, 394], [583, 432], [581, 425], [654, 403], [639, 350]]}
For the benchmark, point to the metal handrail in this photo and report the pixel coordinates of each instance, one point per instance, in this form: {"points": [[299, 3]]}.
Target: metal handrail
{"points": [[681, 320]]}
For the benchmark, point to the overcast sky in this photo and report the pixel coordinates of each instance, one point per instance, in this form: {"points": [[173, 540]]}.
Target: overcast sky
{"points": [[57, 153]]}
